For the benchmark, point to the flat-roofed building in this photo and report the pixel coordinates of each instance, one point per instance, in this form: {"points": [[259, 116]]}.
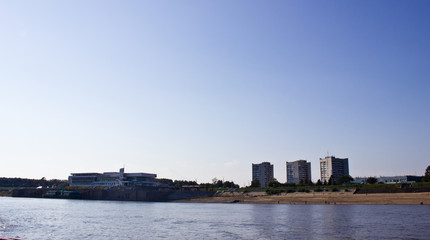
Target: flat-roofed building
{"points": [[391, 180], [299, 170], [111, 179], [332, 166], [263, 172]]}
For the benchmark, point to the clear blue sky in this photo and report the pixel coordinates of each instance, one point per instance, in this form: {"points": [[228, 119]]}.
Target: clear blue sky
{"points": [[202, 89]]}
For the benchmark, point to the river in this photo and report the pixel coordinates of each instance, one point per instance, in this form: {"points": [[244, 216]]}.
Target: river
{"points": [[30, 219]]}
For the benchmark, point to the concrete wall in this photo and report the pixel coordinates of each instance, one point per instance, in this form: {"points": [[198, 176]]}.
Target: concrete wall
{"points": [[125, 194]]}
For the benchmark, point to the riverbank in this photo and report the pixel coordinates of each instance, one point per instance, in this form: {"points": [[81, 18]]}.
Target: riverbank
{"points": [[316, 198], [149, 194]]}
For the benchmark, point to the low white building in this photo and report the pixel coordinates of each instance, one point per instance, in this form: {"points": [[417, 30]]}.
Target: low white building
{"points": [[390, 180], [112, 179]]}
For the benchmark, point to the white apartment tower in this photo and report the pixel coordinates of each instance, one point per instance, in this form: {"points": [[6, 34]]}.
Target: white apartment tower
{"points": [[331, 166], [297, 171], [263, 172]]}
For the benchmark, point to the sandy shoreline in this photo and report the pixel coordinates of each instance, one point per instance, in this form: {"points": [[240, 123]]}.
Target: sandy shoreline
{"points": [[317, 198]]}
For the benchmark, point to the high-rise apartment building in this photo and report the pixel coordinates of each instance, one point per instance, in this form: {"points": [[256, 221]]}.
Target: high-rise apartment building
{"points": [[263, 172], [331, 166], [297, 171]]}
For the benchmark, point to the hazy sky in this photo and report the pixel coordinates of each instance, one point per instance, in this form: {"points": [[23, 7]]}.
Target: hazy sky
{"points": [[201, 89]]}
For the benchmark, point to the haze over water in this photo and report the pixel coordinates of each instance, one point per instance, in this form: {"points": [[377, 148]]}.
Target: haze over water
{"points": [[79, 219]]}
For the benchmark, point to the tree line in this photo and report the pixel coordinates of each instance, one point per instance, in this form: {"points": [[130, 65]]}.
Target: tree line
{"points": [[332, 181], [216, 183], [275, 183], [24, 182], [177, 184]]}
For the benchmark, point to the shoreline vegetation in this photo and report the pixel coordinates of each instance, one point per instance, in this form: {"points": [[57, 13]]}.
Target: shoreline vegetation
{"points": [[401, 193], [382, 196], [349, 197]]}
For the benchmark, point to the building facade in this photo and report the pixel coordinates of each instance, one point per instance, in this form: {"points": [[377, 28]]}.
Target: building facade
{"points": [[390, 180], [112, 179], [331, 166], [263, 172], [297, 171]]}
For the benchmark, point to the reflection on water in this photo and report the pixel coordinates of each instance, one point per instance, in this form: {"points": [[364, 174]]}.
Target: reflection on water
{"points": [[79, 219]]}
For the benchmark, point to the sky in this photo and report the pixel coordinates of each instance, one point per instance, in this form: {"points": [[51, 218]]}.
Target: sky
{"points": [[196, 90]]}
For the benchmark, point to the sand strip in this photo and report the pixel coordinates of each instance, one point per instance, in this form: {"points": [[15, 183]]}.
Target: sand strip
{"points": [[318, 198]]}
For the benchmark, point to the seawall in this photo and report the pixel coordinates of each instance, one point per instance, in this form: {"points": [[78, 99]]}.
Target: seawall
{"points": [[116, 194]]}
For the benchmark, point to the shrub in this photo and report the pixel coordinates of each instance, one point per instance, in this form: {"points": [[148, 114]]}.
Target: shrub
{"points": [[273, 191], [371, 180]]}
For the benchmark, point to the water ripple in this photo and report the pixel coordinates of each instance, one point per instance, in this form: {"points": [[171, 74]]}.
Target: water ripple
{"points": [[33, 219]]}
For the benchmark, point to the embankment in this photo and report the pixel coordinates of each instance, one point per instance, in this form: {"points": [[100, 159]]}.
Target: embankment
{"points": [[116, 194], [316, 198]]}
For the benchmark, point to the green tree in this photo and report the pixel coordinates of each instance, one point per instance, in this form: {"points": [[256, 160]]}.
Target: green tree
{"points": [[305, 182], [165, 181], [23, 182], [228, 184], [255, 183], [319, 183], [308, 182], [273, 183], [371, 180], [287, 184], [219, 184], [344, 179], [426, 177], [331, 181]]}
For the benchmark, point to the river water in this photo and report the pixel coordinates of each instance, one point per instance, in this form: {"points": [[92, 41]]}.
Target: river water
{"points": [[29, 219]]}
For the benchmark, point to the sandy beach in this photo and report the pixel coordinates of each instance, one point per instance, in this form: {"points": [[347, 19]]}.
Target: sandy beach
{"points": [[317, 198]]}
